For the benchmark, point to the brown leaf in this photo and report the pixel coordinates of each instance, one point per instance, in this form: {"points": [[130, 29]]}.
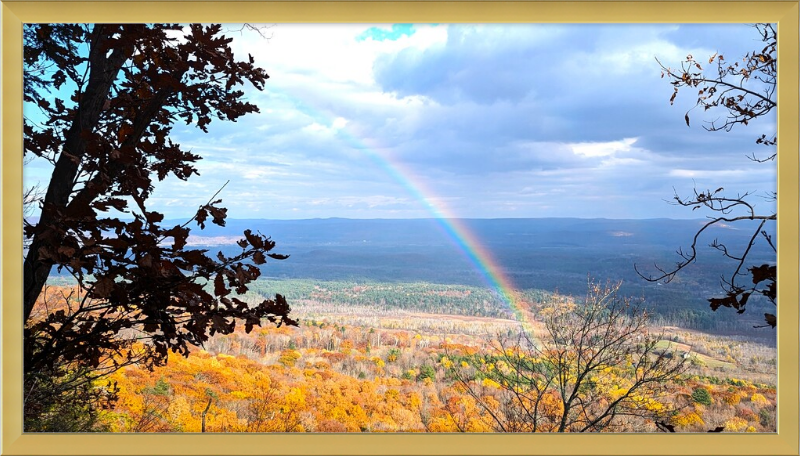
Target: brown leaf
{"points": [[258, 258], [254, 239], [194, 257], [124, 130], [763, 272], [103, 287], [66, 251], [115, 243], [201, 217], [179, 236], [146, 261], [728, 301], [218, 214], [219, 286], [154, 217]]}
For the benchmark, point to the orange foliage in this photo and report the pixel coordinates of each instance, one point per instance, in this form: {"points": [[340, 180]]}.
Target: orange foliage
{"points": [[311, 388]]}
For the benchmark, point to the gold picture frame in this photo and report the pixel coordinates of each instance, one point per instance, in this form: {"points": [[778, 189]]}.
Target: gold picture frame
{"points": [[16, 13]]}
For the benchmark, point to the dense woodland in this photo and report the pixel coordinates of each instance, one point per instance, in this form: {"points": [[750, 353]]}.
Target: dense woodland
{"points": [[388, 363]]}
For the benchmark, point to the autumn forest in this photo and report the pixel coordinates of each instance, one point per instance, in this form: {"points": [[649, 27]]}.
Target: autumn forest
{"points": [[363, 367]]}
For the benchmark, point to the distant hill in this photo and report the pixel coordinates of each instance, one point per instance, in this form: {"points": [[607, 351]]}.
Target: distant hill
{"points": [[553, 254], [547, 253]]}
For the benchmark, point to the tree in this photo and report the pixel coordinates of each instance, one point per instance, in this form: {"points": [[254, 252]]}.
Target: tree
{"points": [[701, 396], [594, 369], [107, 97], [744, 91]]}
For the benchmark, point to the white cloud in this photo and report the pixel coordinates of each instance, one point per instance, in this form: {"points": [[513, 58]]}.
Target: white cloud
{"points": [[328, 52], [501, 120], [339, 123], [602, 149], [709, 174]]}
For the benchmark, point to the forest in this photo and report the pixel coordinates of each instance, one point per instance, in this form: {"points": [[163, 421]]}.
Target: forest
{"points": [[385, 363]]}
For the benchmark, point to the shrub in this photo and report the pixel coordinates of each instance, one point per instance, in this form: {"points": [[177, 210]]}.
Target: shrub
{"points": [[766, 417], [732, 398], [289, 357], [426, 371], [701, 396], [759, 399], [697, 362], [394, 353], [687, 419], [736, 424], [747, 414]]}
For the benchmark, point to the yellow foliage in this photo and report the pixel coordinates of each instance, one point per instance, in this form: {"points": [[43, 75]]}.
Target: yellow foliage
{"points": [[294, 401], [616, 392], [759, 399], [414, 400], [732, 399], [490, 383], [289, 357], [551, 405], [736, 424], [688, 419], [239, 395], [446, 362], [180, 413], [648, 403], [393, 381]]}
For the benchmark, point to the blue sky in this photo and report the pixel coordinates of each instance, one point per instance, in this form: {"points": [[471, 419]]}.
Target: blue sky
{"points": [[486, 121]]}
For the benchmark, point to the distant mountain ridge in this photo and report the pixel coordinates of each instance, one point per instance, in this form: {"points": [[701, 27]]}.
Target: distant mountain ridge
{"points": [[418, 248], [551, 254], [330, 231]]}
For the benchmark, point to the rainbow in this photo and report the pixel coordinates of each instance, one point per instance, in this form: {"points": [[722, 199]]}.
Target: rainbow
{"points": [[454, 228]]}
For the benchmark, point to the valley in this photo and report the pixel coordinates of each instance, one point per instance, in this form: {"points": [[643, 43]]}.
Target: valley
{"points": [[385, 365], [392, 315]]}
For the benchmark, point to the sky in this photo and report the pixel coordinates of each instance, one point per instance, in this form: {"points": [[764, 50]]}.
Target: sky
{"points": [[469, 121]]}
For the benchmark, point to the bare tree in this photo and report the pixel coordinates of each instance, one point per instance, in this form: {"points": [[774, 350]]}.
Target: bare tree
{"points": [[744, 91], [595, 368]]}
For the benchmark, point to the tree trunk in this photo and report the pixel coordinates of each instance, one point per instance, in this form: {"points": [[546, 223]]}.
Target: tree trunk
{"points": [[203, 416], [102, 73]]}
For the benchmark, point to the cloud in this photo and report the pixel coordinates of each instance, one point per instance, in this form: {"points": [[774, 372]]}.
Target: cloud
{"points": [[603, 149], [511, 120]]}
